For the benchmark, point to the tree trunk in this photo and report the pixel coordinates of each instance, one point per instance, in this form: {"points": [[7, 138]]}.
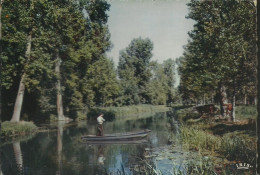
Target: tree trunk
{"points": [[245, 99], [58, 88], [20, 94], [1, 2], [223, 98], [19, 101], [18, 155], [233, 115], [59, 147]]}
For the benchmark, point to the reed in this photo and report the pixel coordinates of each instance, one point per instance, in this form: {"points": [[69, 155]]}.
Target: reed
{"points": [[197, 139]]}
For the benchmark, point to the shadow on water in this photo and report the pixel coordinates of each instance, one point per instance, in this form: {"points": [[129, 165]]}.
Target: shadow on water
{"points": [[62, 152]]}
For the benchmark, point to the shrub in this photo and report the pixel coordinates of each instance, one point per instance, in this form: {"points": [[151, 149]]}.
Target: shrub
{"points": [[17, 128]]}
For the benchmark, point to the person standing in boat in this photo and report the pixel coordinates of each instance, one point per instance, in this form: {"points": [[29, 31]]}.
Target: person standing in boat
{"points": [[100, 128]]}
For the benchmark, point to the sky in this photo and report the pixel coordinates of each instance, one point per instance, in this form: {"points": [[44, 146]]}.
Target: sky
{"points": [[162, 21]]}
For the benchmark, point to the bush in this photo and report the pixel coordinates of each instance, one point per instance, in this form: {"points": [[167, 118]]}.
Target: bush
{"points": [[17, 128], [81, 116]]}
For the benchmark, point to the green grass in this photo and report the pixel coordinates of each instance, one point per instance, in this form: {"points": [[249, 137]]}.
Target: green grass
{"points": [[195, 138], [238, 146], [233, 146], [17, 128], [246, 112]]}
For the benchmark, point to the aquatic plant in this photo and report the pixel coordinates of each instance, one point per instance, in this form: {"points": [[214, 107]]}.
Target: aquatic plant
{"points": [[202, 165]]}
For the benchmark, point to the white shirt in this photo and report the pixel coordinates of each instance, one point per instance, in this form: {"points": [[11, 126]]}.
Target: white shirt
{"points": [[100, 120]]}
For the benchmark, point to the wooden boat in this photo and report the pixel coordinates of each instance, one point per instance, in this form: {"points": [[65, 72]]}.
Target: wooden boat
{"points": [[118, 136], [121, 142]]}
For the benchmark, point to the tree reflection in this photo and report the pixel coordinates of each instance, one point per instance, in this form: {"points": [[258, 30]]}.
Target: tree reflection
{"points": [[18, 156], [59, 146]]}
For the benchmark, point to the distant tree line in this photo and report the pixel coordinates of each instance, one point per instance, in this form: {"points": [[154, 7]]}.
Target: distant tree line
{"points": [[219, 62], [54, 61]]}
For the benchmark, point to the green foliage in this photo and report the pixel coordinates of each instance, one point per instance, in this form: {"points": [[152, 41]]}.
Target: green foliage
{"points": [[81, 116], [101, 79], [58, 29], [237, 146], [12, 128], [246, 112], [134, 110], [222, 48], [93, 113], [75, 34], [134, 64]]}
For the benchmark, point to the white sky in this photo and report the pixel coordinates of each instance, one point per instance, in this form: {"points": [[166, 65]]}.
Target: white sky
{"points": [[163, 21]]}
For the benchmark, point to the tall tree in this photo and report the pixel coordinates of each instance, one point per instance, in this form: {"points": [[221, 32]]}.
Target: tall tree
{"points": [[21, 89], [169, 71], [136, 58], [221, 46]]}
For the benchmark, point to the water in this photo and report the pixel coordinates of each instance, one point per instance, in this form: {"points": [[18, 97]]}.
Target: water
{"points": [[61, 152]]}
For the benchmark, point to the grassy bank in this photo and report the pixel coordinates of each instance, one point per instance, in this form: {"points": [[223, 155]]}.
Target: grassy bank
{"points": [[9, 129], [233, 141], [126, 111]]}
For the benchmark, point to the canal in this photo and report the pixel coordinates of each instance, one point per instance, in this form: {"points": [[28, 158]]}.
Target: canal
{"points": [[61, 150]]}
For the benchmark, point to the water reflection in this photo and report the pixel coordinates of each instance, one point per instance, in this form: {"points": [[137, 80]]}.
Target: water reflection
{"points": [[60, 126], [61, 152], [18, 156], [101, 157]]}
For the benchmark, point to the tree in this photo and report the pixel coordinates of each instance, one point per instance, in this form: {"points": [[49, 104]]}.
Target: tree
{"points": [[220, 39], [169, 71], [135, 60], [101, 80]]}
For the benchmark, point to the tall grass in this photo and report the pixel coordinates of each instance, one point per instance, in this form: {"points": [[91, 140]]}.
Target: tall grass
{"points": [[233, 146], [238, 147], [197, 139]]}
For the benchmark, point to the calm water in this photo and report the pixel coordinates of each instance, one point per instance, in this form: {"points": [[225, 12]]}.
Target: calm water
{"points": [[62, 152]]}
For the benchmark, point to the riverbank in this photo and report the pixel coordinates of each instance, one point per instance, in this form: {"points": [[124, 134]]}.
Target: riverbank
{"points": [[9, 129], [210, 136]]}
